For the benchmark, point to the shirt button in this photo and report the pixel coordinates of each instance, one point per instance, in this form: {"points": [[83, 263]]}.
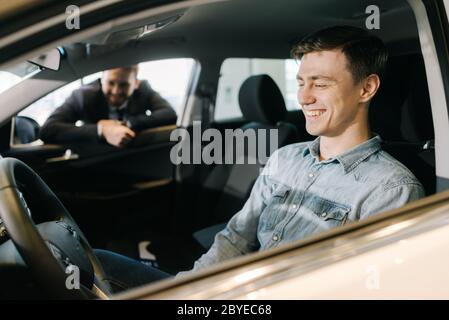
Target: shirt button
{"points": [[311, 175], [275, 238], [294, 206], [324, 214]]}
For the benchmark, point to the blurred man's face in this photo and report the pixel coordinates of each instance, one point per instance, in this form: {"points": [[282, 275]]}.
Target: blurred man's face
{"points": [[118, 85]]}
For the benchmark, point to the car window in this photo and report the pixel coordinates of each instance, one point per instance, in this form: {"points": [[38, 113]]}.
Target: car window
{"points": [[12, 76], [234, 71], [158, 73]]}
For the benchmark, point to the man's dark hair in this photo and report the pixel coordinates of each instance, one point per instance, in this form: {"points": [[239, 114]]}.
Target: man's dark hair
{"points": [[132, 69], [366, 54]]}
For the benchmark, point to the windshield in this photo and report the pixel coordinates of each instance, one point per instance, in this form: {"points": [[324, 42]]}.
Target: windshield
{"points": [[13, 75]]}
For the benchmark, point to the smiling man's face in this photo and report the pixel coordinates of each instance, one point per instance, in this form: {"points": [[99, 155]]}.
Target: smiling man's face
{"points": [[329, 96], [118, 85]]}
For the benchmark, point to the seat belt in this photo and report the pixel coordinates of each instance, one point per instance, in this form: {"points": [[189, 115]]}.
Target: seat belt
{"points": [[207, 94]]}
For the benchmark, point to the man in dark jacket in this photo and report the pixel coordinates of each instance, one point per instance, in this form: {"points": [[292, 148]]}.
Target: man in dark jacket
{"points": [[111, 109]]}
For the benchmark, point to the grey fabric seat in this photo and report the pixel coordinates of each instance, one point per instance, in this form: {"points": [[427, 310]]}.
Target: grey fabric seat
{"points": [[401, 113], [227, 187]]}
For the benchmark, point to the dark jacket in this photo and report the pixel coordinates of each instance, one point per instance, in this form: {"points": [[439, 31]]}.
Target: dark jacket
{"points": [[89, 105]]}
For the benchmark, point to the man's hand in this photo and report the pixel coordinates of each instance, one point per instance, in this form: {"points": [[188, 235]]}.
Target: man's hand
{"points": [[115, 132]]}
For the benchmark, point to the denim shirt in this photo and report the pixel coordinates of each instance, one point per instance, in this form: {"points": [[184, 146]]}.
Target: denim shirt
{"points": [[297, 195]]}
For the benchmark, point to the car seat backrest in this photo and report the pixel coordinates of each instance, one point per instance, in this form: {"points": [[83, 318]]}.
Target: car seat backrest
{"points": [[401, 113], [261, 100]]}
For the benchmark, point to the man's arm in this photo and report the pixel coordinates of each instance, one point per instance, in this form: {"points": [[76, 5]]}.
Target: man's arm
{"points": [[394, 196], [240, 234], [239, 237], [60, 126], [161, 113]]}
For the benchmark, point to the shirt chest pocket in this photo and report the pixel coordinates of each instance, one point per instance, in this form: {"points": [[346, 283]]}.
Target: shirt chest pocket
{"points": [[276, 207], [328, 213]]}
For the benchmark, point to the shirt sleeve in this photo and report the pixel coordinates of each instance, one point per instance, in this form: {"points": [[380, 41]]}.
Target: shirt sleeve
{"points": [[239, 237], [392, 198], [161, 113], [60, 126]]}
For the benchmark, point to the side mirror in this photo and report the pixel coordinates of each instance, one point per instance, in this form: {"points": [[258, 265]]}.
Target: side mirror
{"points": [[26, 130], [49, 60]]}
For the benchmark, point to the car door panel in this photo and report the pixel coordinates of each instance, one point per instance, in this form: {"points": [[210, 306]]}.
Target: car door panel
{"points": [[94, 180]]}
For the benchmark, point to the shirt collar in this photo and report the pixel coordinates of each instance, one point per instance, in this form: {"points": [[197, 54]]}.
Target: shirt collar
{"points": [[313, 148], [350, 159], [121, 107]]}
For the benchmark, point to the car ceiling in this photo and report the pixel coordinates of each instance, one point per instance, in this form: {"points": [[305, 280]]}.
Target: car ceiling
{"points": [[235, 28], [241, 28], [286, 20]]}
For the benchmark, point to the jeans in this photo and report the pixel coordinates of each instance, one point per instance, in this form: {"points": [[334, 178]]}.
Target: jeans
{"points": [[125, 273]]}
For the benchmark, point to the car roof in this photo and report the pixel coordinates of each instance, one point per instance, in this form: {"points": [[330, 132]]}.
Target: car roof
{"points": [[219, 29], [250, 28]]}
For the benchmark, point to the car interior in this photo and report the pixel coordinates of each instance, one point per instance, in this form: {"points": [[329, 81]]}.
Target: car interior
{"points": [[123, 197]]}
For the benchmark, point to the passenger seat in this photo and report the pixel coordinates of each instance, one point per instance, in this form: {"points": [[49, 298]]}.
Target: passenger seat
{"points": [[401, 114]]}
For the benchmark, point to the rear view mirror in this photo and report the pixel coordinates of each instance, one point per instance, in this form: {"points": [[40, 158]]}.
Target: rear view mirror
{"points": [[49, 60]]}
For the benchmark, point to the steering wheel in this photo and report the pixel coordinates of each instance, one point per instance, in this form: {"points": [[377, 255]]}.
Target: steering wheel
{"points": [[50, 247]]}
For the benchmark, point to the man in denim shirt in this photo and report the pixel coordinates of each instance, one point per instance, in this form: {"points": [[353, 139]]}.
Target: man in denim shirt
{"points": [[306, 188], [340, 177]]}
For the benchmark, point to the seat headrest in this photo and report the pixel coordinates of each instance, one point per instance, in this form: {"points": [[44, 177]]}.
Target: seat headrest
{"points": [[261, 100], [417, 120], [400, 111]]}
